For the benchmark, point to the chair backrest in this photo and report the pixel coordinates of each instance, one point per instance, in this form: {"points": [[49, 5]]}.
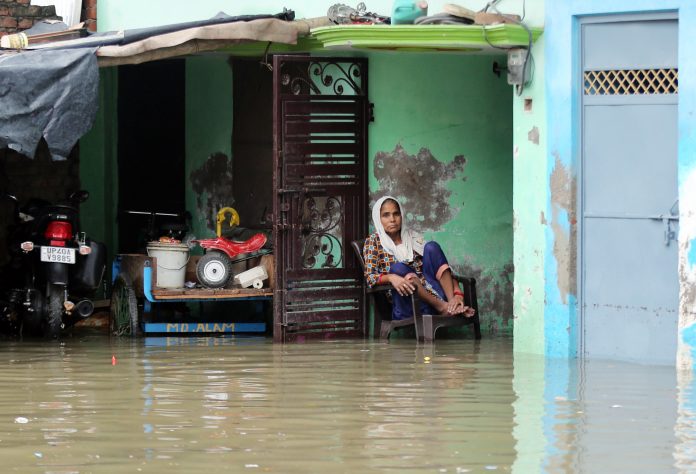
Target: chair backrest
{"points": [[358, 248]]}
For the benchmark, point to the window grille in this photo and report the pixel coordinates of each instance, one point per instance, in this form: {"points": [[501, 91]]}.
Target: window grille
{"points": [[632, 81]]}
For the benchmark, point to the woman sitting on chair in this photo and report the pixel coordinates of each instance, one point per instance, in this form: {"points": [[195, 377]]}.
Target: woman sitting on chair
{"points": [[399, 256]]}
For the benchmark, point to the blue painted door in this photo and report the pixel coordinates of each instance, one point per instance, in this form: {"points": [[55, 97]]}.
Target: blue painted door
{"points": [[629, 281]]}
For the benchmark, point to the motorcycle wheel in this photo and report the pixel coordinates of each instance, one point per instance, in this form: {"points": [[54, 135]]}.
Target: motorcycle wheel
{"points": [[214, 269], [54, 310], [123, 313]]}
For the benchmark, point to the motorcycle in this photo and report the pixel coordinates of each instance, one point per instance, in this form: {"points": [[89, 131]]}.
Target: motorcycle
{"points": [[54, 268]]}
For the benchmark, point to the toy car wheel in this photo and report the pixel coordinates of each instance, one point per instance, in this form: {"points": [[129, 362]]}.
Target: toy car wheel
{"points": [[214, 270]]}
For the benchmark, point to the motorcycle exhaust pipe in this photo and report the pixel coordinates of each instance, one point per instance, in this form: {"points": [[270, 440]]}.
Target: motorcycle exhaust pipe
{"points": [[83, 309], [76, 312]]}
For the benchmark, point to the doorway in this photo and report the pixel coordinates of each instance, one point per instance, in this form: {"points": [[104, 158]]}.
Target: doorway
{"points": [[320, 177], [628, 252], [151, 146], [252, 143]]}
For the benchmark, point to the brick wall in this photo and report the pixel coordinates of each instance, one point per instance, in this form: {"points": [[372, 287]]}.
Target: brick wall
{"points": [[89, 14], [19, 15]]}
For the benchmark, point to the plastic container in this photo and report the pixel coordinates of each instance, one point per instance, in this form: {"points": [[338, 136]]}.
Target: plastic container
{"points": [[253, 277], [171, 263]]}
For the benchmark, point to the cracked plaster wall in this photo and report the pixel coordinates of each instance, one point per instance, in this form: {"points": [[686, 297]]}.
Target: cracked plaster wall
{"points": [[443, 145], [530, 203], [564, 226], [686, 355], [208, 140]]}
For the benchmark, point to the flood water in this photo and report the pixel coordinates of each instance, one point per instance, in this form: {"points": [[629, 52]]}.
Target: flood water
{"points": [[248, 405]]}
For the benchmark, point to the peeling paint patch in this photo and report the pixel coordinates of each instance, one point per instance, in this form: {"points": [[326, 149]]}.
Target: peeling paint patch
{"points": [[420, 182], [692, 252], [563, 224], [688, 337], [212, 183], [686, 352], [533, 135], [494, 294]]}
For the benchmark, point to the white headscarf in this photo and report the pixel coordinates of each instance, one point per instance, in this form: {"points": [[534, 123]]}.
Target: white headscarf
{"points": [[412, 240]]}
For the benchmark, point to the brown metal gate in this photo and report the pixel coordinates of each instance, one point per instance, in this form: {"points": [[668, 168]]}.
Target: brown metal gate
{"points": [[321, 113]]}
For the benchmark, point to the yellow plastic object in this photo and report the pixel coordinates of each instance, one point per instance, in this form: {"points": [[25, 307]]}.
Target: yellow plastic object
{"points": [[234, 218]]}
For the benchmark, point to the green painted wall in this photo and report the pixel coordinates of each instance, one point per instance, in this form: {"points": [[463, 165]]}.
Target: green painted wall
{"points": [[450, 105], [98, 166], [531, 195], [454, 105], [208, 123], [125, 14]]}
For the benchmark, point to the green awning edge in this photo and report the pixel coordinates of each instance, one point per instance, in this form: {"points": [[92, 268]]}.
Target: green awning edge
{"points": [[424, 37], [413, 38]]}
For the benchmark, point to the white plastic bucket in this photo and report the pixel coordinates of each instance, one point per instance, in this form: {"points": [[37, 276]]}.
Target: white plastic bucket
{"points": [[171, 263]]}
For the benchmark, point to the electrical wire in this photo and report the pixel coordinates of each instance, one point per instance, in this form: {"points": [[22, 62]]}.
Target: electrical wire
{"points": [[528, 56], [442, 19]]}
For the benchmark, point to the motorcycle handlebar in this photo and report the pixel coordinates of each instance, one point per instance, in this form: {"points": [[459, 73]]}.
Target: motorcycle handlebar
{"points": [[151, 213]]}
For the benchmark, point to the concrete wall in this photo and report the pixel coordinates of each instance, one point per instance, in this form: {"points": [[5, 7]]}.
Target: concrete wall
{"points": [[208, 137], [558, 162], [125, 14], [442, 139], [529, 203], [98, 166]]}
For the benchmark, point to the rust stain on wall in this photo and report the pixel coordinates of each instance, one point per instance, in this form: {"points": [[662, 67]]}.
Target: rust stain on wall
{"points": [[563, 198], [212, 184], [420, 182]]}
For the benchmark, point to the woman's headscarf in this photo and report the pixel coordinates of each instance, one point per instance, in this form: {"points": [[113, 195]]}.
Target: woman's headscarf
{"points": [[412, 240]]}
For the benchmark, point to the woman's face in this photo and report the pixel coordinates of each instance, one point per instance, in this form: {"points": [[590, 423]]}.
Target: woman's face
{"points": [[390, 216]]}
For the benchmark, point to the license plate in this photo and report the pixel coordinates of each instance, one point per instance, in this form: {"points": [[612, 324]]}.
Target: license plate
{"points": [[57, 254]]}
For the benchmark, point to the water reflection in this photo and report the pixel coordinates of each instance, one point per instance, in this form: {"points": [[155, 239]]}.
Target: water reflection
{"points": [[598, 416], [195, 404]]}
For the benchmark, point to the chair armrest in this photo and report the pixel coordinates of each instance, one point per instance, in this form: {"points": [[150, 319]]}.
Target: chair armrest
{"points": [[379, 288], [463, 279]]}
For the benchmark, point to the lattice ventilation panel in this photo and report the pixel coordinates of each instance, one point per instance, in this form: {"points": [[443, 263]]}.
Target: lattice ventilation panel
{"points": [[632, 81]]}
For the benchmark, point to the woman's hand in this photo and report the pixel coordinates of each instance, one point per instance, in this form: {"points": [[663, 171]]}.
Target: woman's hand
{"points": [[456, 306], [403, 286]]}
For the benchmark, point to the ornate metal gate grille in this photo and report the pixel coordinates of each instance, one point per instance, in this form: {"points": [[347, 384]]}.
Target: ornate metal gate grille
{"points": [[320, 148]]}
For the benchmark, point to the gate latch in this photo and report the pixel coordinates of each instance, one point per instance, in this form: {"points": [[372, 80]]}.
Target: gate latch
{"points": [[670, 233]]}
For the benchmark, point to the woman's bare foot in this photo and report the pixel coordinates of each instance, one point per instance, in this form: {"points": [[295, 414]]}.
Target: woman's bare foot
{"points": [[442, 307]]}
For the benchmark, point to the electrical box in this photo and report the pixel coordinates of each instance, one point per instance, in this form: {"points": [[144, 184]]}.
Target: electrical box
{"points": [[516, 65]]}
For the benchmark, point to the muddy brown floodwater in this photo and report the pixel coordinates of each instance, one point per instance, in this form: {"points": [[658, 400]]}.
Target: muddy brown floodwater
{"points": [[94, 404]]}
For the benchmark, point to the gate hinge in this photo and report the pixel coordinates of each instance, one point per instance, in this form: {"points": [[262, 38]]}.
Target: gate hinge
{"points": [[370, 112]]}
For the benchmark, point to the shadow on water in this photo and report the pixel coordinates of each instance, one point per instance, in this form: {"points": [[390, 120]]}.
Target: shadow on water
{"points": [[246, 404]]}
